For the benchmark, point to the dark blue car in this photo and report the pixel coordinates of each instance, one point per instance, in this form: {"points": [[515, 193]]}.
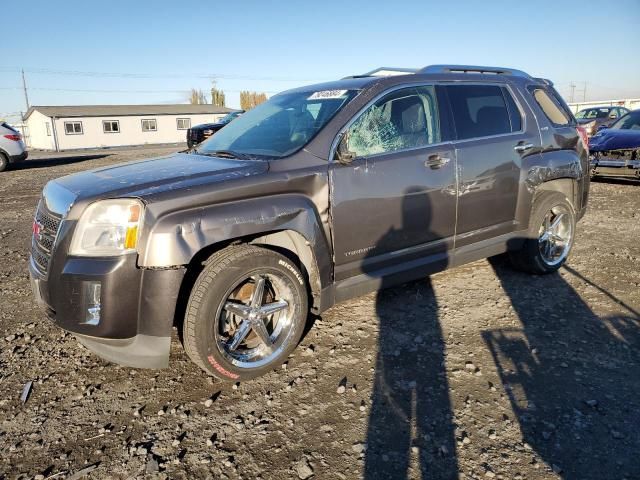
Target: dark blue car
{"points": [[616, 150]]}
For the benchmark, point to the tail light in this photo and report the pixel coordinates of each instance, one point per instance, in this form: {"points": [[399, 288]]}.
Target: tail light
{"points": [[584, 137], [14, 137]]}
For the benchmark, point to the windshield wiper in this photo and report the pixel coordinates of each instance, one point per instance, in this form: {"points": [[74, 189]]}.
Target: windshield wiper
{"points": [[223, 154]]}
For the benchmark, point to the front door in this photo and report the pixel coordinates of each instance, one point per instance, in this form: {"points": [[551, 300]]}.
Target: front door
{"points": [[396, 199]]}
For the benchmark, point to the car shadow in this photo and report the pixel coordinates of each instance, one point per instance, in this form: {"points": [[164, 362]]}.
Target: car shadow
{"points": [[572, 377], [411, 418], [55, 161], [617, 180]]}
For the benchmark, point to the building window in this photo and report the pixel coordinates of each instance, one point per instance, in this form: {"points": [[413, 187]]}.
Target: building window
{"points": [[48, 127], [149, 125], [184, 123], [73, 128], [111, 126]]}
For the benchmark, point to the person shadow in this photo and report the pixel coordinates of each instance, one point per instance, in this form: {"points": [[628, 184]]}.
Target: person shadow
{"points": [[572, 377], [410, 424]]}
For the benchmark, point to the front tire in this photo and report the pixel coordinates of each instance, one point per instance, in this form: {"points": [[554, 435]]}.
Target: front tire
{"points": [[246, 313], [551, 234]]}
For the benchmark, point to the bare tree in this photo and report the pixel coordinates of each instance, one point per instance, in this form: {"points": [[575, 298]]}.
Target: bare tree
{"points": [[197, 97], [249, 100], [217, 96]]}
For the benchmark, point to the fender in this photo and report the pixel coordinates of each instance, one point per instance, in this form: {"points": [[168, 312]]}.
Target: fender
{"points": [[564, 171], [175, 238]]}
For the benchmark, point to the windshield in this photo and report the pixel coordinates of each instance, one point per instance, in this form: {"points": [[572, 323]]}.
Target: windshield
{"points": [[593, 113], [6, 125], [229, 116], [631, 121], [280, 126]]}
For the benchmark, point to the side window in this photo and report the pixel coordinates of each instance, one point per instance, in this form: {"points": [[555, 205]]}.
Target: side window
{"points": [[401, 120], [551, 109], [73, 128], [480, 111], [111, 126], [149, 125], [514, 113]]}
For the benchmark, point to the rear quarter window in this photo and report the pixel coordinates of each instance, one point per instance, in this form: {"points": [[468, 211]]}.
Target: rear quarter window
{"points": [[551, 107]]}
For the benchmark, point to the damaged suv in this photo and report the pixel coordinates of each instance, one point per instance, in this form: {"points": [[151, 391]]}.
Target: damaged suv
{"points": [[319, 195]]}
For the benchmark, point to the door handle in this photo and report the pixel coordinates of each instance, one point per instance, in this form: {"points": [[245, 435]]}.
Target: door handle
{"points": [[523, 147], [436, 161]]}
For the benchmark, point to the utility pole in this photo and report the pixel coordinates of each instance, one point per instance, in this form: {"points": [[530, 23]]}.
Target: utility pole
{"points": [[24, 86], [573, 89], [584, 92]]}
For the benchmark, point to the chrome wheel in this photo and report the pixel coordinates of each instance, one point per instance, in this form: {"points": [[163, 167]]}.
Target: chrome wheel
{"points": [[555, 235], [255, 322]]}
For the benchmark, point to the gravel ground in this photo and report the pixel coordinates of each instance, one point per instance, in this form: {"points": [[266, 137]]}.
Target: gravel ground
{"points": [[479, 372]]}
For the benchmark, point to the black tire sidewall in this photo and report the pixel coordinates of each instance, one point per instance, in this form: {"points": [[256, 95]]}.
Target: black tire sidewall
{"points": [[217, 291], [4, 162], [531, 250]]}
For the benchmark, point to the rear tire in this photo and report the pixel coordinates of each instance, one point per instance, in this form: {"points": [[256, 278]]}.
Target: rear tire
{"points": [[246, 313], [551, 234], [4, 162]]}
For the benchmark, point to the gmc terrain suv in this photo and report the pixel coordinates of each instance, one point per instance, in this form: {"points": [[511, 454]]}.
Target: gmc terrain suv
{"points": [[319, 195], [12, 148]]}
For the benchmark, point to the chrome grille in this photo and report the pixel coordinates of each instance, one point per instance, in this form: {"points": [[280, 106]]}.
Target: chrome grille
{"points": [[45, 231]]}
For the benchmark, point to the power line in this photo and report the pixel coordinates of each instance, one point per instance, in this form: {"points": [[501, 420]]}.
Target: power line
{"points": [[79, 73], [76, 90]]}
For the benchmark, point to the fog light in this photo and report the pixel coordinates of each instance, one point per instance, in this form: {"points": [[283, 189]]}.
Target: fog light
{"points": [[92, 302]]}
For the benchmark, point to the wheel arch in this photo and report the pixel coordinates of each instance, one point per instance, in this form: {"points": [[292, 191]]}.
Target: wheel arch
{"points": [[566, 186]]}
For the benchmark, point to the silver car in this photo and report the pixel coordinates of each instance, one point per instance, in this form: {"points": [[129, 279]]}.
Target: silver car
{"points": [[12, 147]]}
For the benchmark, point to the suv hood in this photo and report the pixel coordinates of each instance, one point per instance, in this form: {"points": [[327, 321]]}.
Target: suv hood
{"points": [[614, 139], [148, 177]]}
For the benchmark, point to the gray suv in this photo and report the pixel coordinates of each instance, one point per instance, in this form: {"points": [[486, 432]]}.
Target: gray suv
{"points": [[12, 147], [321, 194]]}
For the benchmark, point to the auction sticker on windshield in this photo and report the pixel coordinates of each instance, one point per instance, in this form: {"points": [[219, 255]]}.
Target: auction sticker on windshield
{"points": [[325, 94]]}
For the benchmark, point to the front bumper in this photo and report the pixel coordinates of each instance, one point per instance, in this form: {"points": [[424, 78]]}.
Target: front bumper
{"points": [[615, 167], [136, 306]]}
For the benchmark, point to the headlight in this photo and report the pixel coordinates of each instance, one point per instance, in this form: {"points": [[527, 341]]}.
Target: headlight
{"points": [[107, 228]]}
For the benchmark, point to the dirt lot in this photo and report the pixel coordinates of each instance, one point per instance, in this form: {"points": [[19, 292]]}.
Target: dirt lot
{"points": [[480, 372]]}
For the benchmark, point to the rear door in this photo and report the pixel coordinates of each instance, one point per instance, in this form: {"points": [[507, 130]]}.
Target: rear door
{"points": [[492, 137]]}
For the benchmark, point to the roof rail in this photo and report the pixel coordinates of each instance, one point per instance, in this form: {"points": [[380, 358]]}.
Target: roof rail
{"points": [[473, 69], [386, 72], [546, 81]]}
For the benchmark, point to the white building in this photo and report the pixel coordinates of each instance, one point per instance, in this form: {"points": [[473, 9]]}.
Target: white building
{"points": [[630, 103], [97, 126]]}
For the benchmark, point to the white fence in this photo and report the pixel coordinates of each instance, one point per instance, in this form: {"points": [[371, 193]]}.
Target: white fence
{"points": [[630, 103]]}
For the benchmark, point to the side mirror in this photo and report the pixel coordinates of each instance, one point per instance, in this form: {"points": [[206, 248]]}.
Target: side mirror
{"points": [[343, 155]]}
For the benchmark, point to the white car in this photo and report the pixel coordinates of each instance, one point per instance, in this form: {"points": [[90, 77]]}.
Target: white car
{"points": [[12, 148]]}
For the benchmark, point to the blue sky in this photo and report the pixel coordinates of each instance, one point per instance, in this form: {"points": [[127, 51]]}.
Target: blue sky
{"points": [[272, 46]]}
